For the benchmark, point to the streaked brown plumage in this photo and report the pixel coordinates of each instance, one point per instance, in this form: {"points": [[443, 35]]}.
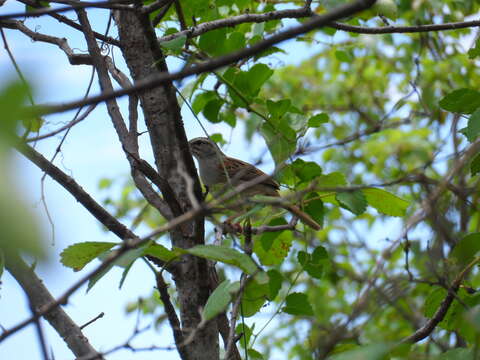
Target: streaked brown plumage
{"points": [[215, 165]]}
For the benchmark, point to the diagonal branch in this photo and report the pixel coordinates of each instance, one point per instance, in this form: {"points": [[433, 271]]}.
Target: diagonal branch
{"points": [[439, 315], [41, 297], [128, 140], [218, 62]]}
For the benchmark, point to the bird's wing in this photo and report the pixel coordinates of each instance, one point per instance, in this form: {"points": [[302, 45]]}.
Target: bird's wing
{"points": [[241, 171]]}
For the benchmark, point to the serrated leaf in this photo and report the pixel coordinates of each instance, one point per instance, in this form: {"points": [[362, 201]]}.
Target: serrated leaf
{"points": [[226, 255], [277, 249], [306, 170], [475, 165], [314, 264], [218, 300], [464, 101], [298, 304], [78, 255], [385, 202], [353, 201]]}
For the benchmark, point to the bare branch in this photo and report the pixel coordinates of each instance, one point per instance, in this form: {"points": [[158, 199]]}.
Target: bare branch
{"points": [[74, 59], [128, 140], [73, 24], [99, 316], [171, 315]]}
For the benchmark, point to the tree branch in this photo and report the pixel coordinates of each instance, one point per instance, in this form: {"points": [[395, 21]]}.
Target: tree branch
{"points": [[40, 298], [439, 315], [71, 23], [74, 59], [158, 79], [75, 5]]}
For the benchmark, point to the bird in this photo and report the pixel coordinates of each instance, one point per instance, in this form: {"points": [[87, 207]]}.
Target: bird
{"points": [[216, 168]]}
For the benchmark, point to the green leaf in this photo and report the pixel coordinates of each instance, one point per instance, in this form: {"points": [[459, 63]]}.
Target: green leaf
{"points": [[280, 139], [78, 255], [385, 202], [254, 354], [473, 127], [306, 170], [475, 51], [475, 165], [213, 42], [274, 283], [236, 41], [314, 207], [457, 354], [466, 249], [226, 255], [464, 101], [353, 201], [175, 44], [161, 252], [316, 120], [211, 109], [252, 80], [277, 249], [267, 238], [104, 183], [43, 4], [298, 304], [246, 332], [343, 56], [278, 108], [254, 297], [333, 179], [202, 99], [314, 264], [387, 8], [219, 299]]}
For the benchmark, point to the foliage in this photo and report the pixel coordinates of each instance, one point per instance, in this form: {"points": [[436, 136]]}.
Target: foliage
{"points": [[368, 134]]}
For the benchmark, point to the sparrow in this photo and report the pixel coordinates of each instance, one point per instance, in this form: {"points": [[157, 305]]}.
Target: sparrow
{"points": [[218, 169]]}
